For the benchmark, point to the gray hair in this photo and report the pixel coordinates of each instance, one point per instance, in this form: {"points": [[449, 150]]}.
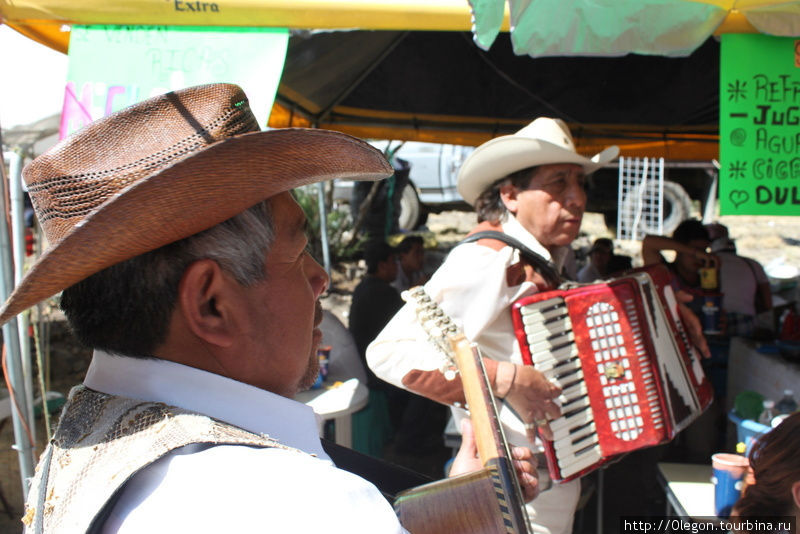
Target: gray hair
{"points": [[489, 206], [126, 308]]}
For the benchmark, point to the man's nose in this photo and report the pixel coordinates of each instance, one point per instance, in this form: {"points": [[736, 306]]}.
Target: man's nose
{"points": [[576, 195], [317, 276]]}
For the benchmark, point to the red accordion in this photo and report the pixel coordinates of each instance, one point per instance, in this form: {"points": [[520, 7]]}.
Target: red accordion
{"points": [[630, 377]]}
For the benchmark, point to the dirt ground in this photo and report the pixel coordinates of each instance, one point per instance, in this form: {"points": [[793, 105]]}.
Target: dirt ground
{"points": [[762, 238]]}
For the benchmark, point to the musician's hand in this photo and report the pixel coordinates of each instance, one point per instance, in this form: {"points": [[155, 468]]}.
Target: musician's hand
{"points": [[528, 476], [467, 461], [531, 396], [693, 326]]}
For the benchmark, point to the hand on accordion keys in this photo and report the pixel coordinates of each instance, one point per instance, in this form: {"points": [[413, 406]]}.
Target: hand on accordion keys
{"points": [[531, 396], [694, 327]]}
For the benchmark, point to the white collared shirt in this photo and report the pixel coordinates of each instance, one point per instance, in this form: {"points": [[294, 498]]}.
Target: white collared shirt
{"points": [[470, 286], [225, 488]]}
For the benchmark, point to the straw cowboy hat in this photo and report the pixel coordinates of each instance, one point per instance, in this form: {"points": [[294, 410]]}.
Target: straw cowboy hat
{"points": [[542, 142], [162, 170]]}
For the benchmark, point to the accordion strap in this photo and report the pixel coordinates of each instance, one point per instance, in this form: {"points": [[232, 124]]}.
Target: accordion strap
{"points": [[389, 478], [535, 260]]}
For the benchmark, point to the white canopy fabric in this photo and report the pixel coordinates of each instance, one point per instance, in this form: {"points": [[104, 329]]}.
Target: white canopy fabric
{"points": [[619, 27]]}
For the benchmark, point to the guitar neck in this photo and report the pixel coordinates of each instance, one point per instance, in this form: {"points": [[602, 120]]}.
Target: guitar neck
{"points": [[480, 399], [490, 440], [492, 447]]}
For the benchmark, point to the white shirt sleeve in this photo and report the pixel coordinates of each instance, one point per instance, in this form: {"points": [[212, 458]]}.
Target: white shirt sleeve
{"points": [[247, 489], [471, 288]]}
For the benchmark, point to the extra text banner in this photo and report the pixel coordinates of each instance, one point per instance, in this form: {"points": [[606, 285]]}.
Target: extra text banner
{"points": [[759, 125], [111, 67]]}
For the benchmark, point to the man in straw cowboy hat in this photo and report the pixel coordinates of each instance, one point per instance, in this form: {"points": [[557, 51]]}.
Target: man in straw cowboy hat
{"points": [[182, 259], [529, 186]]}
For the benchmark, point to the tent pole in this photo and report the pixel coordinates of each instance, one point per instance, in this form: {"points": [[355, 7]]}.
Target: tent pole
{"points": [[323, 227], [323, 223], [711, 198], [22, 444], [18, 242]]}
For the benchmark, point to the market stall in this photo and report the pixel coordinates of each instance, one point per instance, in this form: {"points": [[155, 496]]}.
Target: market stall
{"points": [[687, 127]]}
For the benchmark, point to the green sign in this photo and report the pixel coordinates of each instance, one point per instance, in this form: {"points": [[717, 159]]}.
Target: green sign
{"points": [[759, 125], [112, 67]]}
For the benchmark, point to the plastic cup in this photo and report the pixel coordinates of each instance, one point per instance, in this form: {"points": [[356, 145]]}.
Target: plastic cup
{"points": [[728, 471], [324, 355], [712, 313]]}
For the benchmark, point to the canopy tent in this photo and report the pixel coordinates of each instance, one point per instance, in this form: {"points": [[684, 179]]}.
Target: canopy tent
{"points": [[417, 74], [369, 92], [440, 87], [618, 27], [585, 26]]}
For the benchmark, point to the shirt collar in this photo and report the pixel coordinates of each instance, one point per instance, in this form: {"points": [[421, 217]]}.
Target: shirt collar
{"points": [[290, 422], [514, 228]]}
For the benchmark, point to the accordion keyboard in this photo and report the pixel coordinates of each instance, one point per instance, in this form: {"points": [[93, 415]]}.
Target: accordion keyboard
{"points": [[595, 349]]}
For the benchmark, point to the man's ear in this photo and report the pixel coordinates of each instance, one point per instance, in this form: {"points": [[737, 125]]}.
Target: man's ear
{"points": [[207, 301], [796, 494], [508, 195]]}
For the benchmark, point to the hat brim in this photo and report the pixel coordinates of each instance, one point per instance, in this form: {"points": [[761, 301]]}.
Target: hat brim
{"points": [[196, 193], [502, 156]]}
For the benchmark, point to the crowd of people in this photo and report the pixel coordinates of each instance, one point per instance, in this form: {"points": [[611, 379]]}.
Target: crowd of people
{"points": [[204, 320]]}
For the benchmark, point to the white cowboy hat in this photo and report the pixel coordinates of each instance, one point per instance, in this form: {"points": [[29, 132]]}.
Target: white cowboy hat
{"points": [[542, 142]]}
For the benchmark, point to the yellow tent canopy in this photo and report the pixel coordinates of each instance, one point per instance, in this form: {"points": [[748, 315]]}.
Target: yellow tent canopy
{"points": [[301, 103], [47, 20]]}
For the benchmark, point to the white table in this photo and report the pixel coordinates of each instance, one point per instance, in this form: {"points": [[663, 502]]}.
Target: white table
{"points": [[689, 490], [337, 400], [345, 391]]}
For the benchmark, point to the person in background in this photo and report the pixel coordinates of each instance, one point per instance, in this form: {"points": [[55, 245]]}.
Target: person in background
{"points": [[618, 264], [374, 302], [416, 423], [410, 261], [599, 257], [569, 271], [529, 186], [743, 283], [775, 464], [201, 303], [691, 243]]}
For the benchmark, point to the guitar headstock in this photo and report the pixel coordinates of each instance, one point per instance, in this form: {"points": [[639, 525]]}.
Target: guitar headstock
{"points": [[441, 330]]}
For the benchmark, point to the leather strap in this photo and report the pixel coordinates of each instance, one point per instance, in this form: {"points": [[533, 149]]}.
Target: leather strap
{"points": [[389, 478], [42, 497], [537, 261]]}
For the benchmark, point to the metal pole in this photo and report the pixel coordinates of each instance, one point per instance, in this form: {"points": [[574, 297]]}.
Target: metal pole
{"points": [[323, 223], [10, 336], [711, 197], [620, 189], [18, 241], [600, 473], [323, 227]]}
